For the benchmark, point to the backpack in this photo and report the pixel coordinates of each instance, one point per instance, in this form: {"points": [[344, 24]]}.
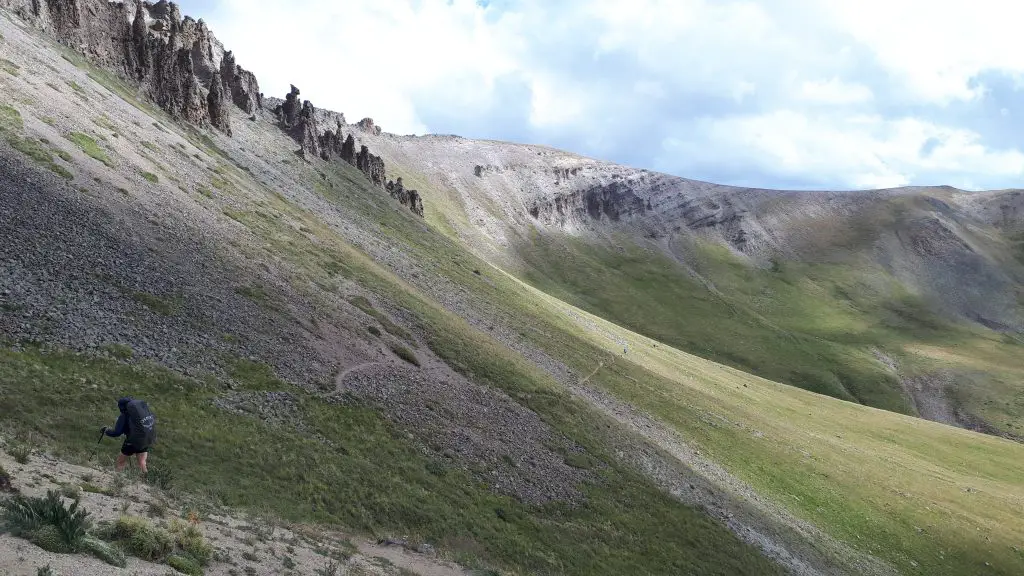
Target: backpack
{"points": [[141, 424]]}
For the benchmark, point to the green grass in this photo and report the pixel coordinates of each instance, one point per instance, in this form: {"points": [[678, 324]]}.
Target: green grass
{"points": [[149, 176], [380, 484], [91, 148], [78, 89], [10, 67], [12, 130], [164, 306], [869, 478], [805, 325], [406, 354], [390, 327]]}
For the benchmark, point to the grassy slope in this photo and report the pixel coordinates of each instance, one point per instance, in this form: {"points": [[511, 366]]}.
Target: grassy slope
{"points": [[929, 498], [377, 480], [809, 325], [867, 476], [864, 475]]}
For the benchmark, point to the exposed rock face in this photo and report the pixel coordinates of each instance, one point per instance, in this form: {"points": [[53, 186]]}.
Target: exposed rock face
{"points": [[367, 125], [288, 111], [372, 166], [303, 123], [177, 62], [410, 198], [245, 90], [348, 150], [217, 105]]}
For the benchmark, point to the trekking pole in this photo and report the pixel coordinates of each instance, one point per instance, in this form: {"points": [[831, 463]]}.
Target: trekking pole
{"points": [[97, 446]]}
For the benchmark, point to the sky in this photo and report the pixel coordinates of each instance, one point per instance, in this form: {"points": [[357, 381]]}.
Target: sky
{"points": [[798, 94]]}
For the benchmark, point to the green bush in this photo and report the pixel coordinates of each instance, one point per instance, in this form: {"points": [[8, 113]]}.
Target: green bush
{"points": [[185, 565], [47, 522], [104, 551], [48, 538], [20, 453], [190, 540], [141, 539], [406, 354], [151, 177], [44, 571]]}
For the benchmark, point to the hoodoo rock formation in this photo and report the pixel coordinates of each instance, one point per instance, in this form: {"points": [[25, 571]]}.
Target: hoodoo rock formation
{"points": [[180, 65], [177, 62], [300, 119]]}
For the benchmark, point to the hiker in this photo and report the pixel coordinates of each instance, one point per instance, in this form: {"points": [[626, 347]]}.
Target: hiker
{"points": [[138, 425]]}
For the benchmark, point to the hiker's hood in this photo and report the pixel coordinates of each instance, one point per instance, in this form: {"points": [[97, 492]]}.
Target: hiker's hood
{"points": [[122, 403]]}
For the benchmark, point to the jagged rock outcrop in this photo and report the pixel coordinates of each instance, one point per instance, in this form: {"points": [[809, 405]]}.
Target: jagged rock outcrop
{"points": [[217, 105], [331, 143], [245, 90], [302, 123], [298, 118], [348, 150], [410, 198], [367, 125], [176, 61], [372, 166]]}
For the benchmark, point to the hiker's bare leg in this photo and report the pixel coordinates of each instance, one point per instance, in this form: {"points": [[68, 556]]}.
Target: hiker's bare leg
{"points": [[142, 461], [122, 460]]}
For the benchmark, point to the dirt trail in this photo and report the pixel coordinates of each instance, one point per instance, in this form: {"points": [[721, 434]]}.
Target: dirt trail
{"points": [[243, 545], [340, 380]]}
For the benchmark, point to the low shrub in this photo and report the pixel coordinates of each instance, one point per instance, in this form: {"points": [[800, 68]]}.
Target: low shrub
{"points": [[139, 538], [190, 540], [48, 522], [104, 551], [406, 354], [185, 565], [20, 453]]}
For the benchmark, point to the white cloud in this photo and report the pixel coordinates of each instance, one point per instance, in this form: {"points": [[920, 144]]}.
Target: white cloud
{"points": [[800, 89], [934, 48], [862, 151], [835, 91]]}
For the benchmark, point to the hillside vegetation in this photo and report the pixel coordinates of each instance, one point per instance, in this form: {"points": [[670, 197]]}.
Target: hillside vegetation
{"points": [[269, 307]]}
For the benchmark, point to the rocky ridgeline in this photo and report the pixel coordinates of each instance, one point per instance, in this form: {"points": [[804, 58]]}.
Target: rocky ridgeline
{"points": [[301, 120], [176, 61], [180, 65]]}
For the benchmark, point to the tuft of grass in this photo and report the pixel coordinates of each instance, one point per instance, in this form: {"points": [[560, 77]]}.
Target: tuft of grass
{"points": [[159, 477], [139, 538], [119, 351], [153, 178], [71, 492], [63, 155], [104, 551], [78, 89], [366, 306], [44, 571], [185, 565], [20, 453], [61, 171], [91, 148], [10, 67], [406, 354], [163, 306]]}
